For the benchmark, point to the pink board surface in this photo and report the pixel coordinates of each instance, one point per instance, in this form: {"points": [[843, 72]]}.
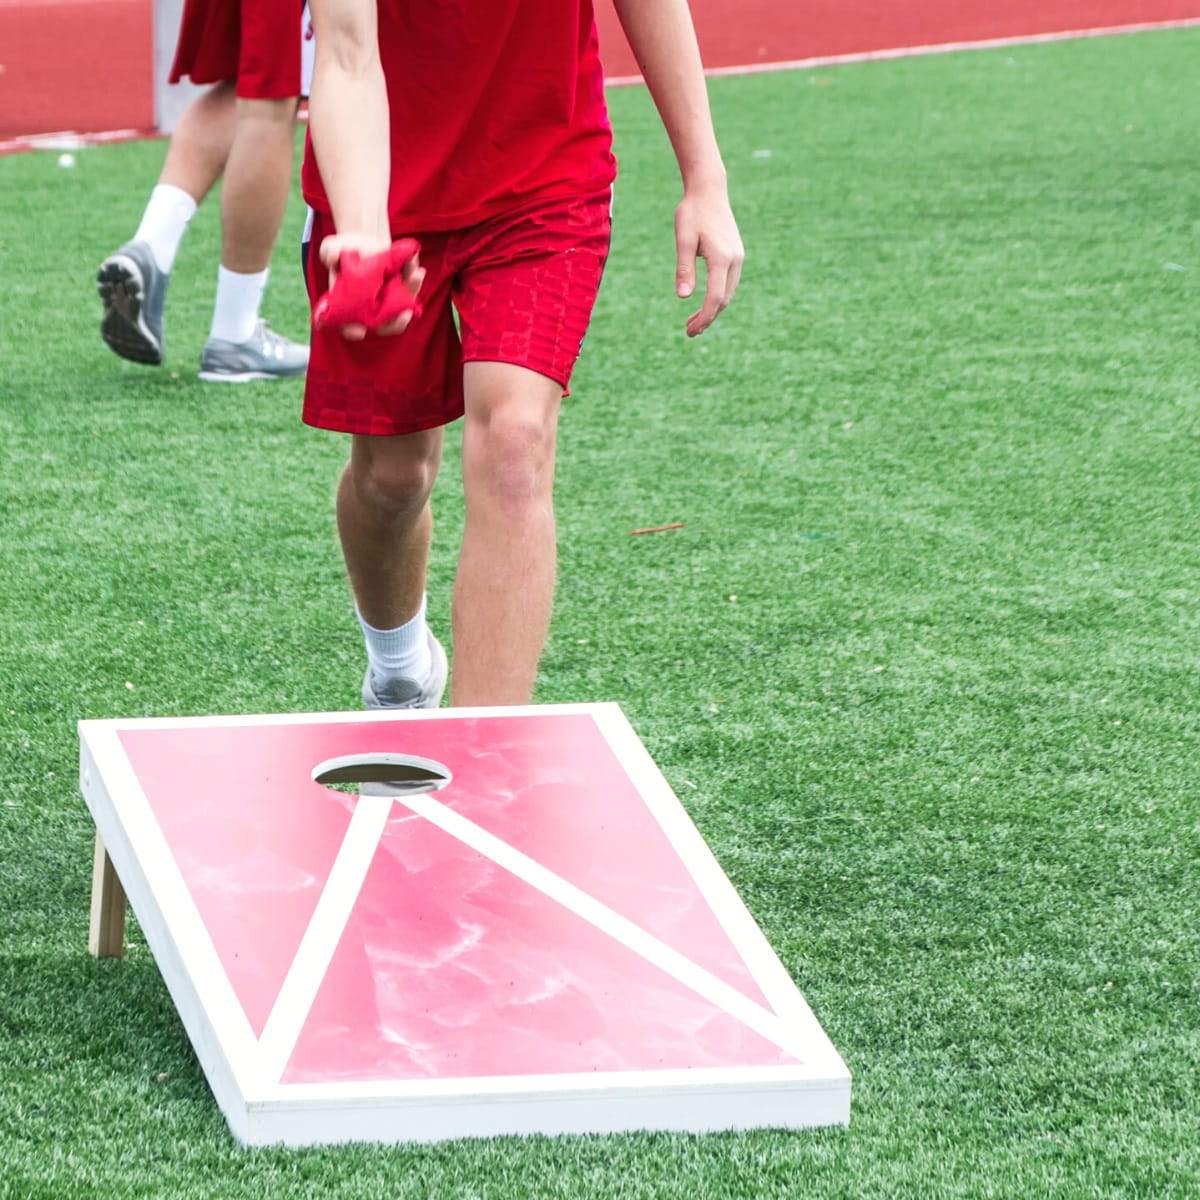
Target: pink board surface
{"points": [[549, 922], [452, 966]]}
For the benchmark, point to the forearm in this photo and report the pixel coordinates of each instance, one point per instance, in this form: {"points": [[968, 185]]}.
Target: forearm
{"points": [[663, 39], [348, 116]]}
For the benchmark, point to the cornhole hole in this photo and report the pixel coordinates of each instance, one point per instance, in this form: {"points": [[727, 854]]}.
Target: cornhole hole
{"points": [[526, 934]]}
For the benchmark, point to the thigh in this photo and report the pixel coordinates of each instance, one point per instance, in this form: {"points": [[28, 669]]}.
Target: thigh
{"points": [[527, 281], [386, 385]]}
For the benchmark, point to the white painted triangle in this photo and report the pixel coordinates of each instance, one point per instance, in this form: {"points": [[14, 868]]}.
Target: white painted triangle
{"points": [[345, 882]]}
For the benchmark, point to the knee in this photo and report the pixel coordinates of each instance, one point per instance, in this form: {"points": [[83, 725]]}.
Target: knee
{"points": [[391, 483], [508, 459], [276, 114]]}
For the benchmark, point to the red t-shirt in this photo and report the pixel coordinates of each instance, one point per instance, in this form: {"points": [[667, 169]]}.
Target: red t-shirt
{"points": [[492, 103]]}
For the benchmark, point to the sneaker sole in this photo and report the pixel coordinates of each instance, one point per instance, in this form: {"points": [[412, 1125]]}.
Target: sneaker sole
{"points": [[123, 292], [241, 376]]}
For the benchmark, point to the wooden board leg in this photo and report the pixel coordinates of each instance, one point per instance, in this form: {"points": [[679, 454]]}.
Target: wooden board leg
{"points": [[106, 936]]}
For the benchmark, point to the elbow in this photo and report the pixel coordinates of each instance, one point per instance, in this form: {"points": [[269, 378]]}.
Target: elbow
{"points": [[351, 56], [347, 39]]}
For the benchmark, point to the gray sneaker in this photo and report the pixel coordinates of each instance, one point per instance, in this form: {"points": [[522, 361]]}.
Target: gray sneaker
{"points": [[410, 693], [264, 355], [133, 291]]}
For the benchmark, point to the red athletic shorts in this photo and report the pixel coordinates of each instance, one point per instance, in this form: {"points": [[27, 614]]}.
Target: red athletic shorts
{"points": [[522, 284], [255, 42]]}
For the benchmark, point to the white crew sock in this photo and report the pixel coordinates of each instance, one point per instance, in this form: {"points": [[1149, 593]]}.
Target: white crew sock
{"points": [[398, 653], [235, 313], [164, 222]]}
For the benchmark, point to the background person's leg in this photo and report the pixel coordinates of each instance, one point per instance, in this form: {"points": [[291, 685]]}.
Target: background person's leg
{"points": [[132, 281], [200, 145], [258, 177], [254, 195]]}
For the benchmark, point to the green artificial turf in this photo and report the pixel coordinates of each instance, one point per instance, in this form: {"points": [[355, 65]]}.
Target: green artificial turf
{"points": [[921, 663]]}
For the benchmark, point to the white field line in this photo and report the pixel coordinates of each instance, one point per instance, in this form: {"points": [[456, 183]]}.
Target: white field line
{"points": [[865, 56], [68, 139]]}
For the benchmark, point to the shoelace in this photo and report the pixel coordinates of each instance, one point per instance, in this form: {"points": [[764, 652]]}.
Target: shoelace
{"points": [[274, 344]]}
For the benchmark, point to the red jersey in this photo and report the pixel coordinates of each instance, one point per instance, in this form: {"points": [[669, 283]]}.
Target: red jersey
{"points": [[493, 103]]}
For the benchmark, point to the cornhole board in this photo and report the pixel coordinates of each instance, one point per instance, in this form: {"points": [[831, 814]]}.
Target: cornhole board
{"points": [[543, 945]]}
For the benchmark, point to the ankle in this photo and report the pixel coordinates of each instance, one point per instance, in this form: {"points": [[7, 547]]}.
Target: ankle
{"points": [[399, 653]]}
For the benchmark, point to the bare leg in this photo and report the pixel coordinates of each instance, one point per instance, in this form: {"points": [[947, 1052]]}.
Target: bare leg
{"points": [[133, 282], [201, 142], [505, 583], [386, 524], [258, 176]]}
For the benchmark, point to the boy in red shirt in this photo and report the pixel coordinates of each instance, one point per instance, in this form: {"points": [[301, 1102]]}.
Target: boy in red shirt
{"points": [[478, 128]]}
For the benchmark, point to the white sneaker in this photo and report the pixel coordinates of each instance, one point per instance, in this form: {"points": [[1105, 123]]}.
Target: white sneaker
{"points": [[264, 355], [401, 692]]}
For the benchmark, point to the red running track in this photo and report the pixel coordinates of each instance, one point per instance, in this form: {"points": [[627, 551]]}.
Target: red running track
{"points": [[87, 65], [749, 32]]}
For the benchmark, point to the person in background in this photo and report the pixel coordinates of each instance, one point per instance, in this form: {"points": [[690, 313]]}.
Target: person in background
{"points": [[479, 129], [242, 127]]}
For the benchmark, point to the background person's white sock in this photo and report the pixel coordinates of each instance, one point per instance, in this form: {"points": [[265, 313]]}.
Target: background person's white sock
{"points": [[235, 311], [164, 222], [401, 653]]}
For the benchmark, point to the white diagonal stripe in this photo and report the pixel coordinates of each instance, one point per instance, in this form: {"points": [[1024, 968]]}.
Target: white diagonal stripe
{"points": [[704, 983], [324, 932]]}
